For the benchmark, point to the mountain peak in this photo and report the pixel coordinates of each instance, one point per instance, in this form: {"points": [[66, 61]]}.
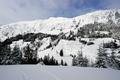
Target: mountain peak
{"points": [[57, 25]]}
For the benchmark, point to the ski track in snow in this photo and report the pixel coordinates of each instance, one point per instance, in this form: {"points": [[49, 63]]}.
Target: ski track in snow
{"points": [[25, 76], [51, 74], [38, 72]]}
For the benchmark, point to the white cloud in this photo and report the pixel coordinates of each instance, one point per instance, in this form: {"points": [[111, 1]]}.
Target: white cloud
{"points": [[18, 10], [15, 10]]}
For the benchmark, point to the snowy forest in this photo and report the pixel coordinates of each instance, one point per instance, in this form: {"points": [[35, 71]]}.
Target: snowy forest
{"points": [[64, 42]]}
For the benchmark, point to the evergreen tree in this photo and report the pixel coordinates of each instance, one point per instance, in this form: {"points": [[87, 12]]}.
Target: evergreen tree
{"points": [[65, 64], [113, 61], [52, 61], [104, 60], [62, 63], [80, 60], [49, 61], [16, 55], [46, 60], [101, 61], [5, 53], [56, 62], [61, 53], [74, 61], [30, 55]]}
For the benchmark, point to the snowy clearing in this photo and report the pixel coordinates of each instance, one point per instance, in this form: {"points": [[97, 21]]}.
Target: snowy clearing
{"points": [[38, 72]]}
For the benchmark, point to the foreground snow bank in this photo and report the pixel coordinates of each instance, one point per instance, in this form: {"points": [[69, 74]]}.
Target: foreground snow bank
{"points": [[37, 72]]}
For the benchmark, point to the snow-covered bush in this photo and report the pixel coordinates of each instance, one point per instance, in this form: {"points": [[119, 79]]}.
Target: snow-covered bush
{"points": [[80, 61]]}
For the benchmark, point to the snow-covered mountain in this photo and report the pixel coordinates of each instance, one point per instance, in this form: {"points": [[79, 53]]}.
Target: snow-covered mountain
{"points": [[56, 34], [57, 25]]}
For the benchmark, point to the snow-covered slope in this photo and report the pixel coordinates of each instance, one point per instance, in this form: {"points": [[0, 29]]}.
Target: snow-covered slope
{"points": [[69, 48], [73, 48], [56, 34], [57, 25], [37, 72]]}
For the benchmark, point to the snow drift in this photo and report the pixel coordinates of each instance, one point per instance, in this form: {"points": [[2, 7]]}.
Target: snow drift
{"points": [[38, 72]]}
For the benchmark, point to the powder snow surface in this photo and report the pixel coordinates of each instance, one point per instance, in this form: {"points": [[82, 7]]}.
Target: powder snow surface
{"points": [[38, 72]]}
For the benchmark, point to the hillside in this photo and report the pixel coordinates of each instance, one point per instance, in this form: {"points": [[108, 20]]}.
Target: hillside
{"points": [[62, 39], [58, 25]]}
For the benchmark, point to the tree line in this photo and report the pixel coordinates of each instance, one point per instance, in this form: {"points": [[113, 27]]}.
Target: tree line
{"points": [[28, 55], [103, 60]]}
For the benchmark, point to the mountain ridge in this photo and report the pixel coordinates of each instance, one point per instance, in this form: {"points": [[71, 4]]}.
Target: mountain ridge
{"points": [[57, 25]]}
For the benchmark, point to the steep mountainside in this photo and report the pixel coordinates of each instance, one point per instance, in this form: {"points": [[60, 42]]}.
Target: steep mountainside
{"points": [[58, 25]]}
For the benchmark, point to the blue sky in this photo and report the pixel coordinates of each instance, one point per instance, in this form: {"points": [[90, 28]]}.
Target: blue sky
{"points": [[20, 10]]}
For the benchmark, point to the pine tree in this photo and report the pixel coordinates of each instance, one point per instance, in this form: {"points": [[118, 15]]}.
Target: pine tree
{"points": [[49, 61], [113, 62], [30, 55], [46, 60], [52, 61], [5, 53], [61, 53], [80, 60], [62, 63], [74, 61], [56, 62], [65, 64], [86, 62], [101, 61], [16, 55]]}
